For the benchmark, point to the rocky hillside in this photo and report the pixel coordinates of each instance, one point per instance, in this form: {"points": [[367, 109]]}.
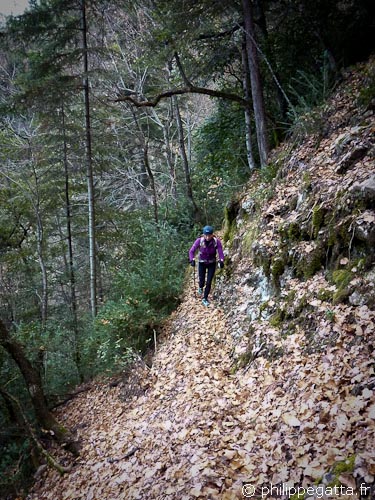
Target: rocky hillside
{"points": [[270, 392], [302, 247]]}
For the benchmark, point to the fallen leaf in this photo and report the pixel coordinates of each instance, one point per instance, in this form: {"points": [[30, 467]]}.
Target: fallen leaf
{"points": [[291, 419]]}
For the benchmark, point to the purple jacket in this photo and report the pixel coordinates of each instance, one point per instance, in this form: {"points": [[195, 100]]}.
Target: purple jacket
{"points": [[207, 252]]}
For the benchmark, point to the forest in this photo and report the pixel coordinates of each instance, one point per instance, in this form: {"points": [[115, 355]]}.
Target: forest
{"points": [[125, 128]]}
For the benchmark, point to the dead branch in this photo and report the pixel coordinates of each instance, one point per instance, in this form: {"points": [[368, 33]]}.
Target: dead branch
{"points": [[30, 431], [188, 88], [71, 396], [191, 89], [129, 454]]}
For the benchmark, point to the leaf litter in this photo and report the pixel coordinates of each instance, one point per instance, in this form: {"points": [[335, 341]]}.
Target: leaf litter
{"points": [[201, 432], [288, 416]]}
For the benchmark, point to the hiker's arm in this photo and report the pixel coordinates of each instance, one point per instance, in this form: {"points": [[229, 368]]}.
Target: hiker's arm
{"points": [[193, 249], [220, 250]]}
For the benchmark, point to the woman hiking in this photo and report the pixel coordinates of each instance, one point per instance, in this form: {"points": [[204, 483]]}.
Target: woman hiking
{"points": [[207, 245]]}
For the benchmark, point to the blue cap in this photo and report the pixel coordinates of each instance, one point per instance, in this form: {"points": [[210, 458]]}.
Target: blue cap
{"points": [[208, 230]]}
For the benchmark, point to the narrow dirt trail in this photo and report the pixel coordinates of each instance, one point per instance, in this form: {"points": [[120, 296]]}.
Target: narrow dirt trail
{"points": [[200, 432], [177, 440]]}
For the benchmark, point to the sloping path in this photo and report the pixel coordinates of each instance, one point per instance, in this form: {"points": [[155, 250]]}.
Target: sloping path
{"points": [[173, 441], [200, 432]]}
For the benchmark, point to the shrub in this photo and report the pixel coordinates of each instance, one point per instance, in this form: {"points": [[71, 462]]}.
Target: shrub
{"points": [[145, 290]]}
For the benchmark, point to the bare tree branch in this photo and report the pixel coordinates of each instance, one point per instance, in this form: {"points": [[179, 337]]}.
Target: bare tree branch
{"points": [[188, 88], [191, 89], [27, 426], [185, 79], [223, 34]]}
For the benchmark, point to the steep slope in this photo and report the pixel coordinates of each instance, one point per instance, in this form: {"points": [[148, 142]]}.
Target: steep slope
{"points": [[271, 389]]}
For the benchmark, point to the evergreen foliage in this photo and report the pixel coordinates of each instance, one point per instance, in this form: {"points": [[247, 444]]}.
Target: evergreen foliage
{"points": [[145, 289], [220, 164]]}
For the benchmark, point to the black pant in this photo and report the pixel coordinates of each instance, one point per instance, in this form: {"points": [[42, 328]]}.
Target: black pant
{"points": [[210, 269]]}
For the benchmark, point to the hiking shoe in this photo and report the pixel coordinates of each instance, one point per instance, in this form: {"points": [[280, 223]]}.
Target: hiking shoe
{"points": [[200, 291], [205, 302]]}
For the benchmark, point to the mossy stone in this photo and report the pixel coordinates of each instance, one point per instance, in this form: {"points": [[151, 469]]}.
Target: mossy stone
{"points": [[325, 295], [317, 220], [277, 318], [248, 239], [230, 215], [277, 267], [345, 466], [294, 231], [308, 265], [341, 279]]}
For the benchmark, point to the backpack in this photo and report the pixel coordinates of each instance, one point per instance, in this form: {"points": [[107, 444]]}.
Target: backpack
{"points": [[202, 242]]}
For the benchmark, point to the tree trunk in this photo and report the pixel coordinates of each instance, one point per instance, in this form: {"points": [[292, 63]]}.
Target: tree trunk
{"points": [[40, 251], [13, 415], [256, 85], [152, 182], [280, 94], [34, 386], [89, 168], [168, 152], [99, 280], [247, 92], [70, 263], [165, 127], [185, 162], [24, 424], [40, 244]]}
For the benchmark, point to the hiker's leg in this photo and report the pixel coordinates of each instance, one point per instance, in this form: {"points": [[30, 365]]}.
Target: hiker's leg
{"points": [[201, 274], [210, 274]]}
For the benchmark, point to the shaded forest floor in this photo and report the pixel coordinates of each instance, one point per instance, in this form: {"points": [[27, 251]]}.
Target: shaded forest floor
{"points": [[199, 431]]}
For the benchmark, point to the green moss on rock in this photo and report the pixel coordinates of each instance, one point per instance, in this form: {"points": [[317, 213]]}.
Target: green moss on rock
{"points": [[317, 220], [294, 231], [277, 267], [230, 226], [297, 496], [308, 265], [249, 238], [277, 318], [262, 258], [325, 295], [341, 278], [342, 467]]}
